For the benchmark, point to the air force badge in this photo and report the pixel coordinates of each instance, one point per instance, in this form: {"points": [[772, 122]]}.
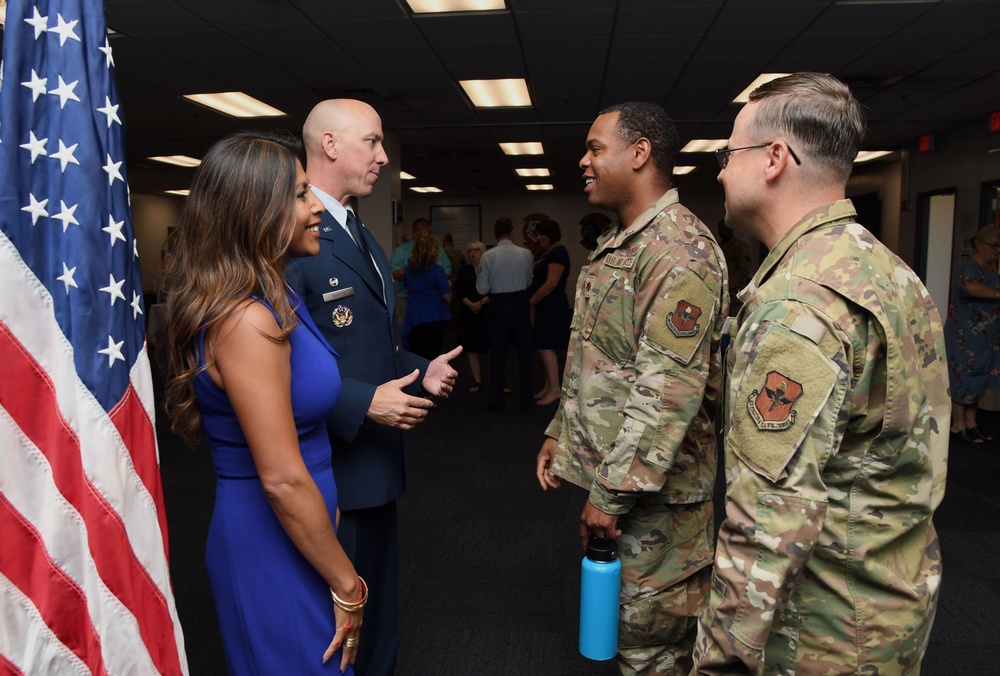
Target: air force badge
{"points": [[342, 316]]}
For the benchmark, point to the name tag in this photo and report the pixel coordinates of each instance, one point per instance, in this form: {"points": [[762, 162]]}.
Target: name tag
{"points": [[620, 262], [331, 296]]}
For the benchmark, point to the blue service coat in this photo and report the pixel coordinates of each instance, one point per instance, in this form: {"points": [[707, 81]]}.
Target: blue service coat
{"points": [[357, 318]]}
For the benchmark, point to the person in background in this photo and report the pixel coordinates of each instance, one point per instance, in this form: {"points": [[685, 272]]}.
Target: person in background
{"points": [[635, 426], [348, 291], [273, 556], [472, 332], [972, 335], [397, 264], [550, 307], [504, 275], [455, 257], [429, 295], [837, 409], [592, 227]]}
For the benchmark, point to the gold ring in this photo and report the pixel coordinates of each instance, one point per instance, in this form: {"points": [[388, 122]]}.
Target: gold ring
{"points": [[351, 642]]}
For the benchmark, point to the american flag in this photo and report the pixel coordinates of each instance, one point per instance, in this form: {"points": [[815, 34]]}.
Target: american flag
{"points": [[84, 581]]}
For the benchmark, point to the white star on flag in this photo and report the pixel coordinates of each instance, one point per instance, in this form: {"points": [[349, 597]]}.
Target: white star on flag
{"points": [[64, 30], [66, 215], [136, 305], [114, 229], [36, 84], [39, 22], [107, 52], [67, 278], [114, 289], [112, 169], [65, 91], [65, 155], [110, 110], [113, 350], [36, 146], [36, 208]]}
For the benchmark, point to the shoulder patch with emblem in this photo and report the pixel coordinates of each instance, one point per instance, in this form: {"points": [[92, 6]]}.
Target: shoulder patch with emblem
{"points": [[682, 315], [683, 321], [786, 386], [772, 405]]}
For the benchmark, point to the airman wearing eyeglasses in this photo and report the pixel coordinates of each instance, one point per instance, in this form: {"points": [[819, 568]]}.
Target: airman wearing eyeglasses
{"points": [[836, 414]]}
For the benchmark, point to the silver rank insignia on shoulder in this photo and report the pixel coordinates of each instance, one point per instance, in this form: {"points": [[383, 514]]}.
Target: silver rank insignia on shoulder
{"points": [[334, 282], [342, 316]]}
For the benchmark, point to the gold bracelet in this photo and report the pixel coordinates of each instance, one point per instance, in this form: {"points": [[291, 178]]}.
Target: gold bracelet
{"points": [[357, 605]]}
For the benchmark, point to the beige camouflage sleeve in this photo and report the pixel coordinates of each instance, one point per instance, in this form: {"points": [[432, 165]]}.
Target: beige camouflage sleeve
{"points": [[786, 394], [677, 310]]}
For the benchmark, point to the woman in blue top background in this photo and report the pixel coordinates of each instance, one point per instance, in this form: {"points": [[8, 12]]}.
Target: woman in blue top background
{"points": [[251, 374], [429, 294]]}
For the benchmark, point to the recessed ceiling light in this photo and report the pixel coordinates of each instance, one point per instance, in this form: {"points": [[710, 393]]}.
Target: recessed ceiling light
{"points": [[506, 93], [425, 188], [744, 95], [680, 171], [541, 171], [235, 104], [704, 145], [868, 155], [177, 160], [527, 148], [182, 193], [429, 6], [403, 176], [539, 186]]}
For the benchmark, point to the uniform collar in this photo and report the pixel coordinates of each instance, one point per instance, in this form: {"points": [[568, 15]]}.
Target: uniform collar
{"points": [[615, 238], [841, 211]]}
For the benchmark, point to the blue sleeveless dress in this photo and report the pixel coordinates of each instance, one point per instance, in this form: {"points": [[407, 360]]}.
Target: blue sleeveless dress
{"points": [[275, 611]]}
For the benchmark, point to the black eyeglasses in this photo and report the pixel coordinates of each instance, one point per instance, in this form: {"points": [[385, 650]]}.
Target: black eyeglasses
{"points": [[722, 155]]}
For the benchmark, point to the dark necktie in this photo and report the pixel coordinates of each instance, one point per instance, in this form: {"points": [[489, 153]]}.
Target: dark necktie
{"points": [[354, 226]]}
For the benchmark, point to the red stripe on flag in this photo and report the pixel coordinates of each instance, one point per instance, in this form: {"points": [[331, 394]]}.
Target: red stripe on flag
{"points": [[62, 605], [29, 397], [136, 430], [8, 668]]}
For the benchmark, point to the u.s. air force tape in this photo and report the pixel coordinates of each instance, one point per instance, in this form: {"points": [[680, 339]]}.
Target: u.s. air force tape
{"points": [[331, 296]]}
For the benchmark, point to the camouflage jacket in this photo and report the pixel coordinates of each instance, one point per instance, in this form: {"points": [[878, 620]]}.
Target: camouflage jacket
{"points": [[837, 415], [643, 371]]}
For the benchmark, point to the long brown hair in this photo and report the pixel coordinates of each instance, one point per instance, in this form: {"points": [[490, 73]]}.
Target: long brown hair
{"points": [[231, 243], [425, 252]]}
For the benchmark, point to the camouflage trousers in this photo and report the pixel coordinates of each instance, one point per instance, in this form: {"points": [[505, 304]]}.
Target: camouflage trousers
{"points": [[666, 554]]}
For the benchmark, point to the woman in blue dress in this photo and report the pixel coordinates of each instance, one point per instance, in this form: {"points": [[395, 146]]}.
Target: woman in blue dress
{"points": [[249, 372], [972, 335], [429, 294]]}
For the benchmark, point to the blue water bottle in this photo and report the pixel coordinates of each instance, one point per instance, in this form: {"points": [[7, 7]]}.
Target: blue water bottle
{"points": [[600, 586]]}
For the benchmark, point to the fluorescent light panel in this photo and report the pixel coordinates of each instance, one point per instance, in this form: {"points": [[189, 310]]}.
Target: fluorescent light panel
{"points": [[235, 104], [744, 95], [425, 188], [177, 160], [680, 171], [182, 193], [527, 148], [432, 6], [403, 176], [539, 186], [506, 93], [541, 171], [868, 155], [704, 145]]}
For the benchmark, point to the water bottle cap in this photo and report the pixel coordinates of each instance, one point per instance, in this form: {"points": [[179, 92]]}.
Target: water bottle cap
{"points": [[601, 549]]}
